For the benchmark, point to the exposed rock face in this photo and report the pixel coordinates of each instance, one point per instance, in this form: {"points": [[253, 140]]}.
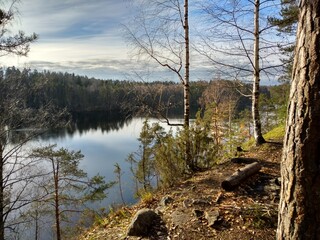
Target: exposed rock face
{"points": [[143, 222]]}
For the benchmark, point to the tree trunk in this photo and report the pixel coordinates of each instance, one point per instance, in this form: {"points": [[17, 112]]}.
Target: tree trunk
{"points": [[240, 176], [256, 80], [56, 199], [187, 66], [299, 208], [1, 195], [186, 87]]}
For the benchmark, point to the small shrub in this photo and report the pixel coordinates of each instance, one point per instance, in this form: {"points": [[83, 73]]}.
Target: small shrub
{"points": [[147, 198]]}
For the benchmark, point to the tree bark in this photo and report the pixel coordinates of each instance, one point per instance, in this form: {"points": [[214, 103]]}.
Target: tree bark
{"points": [[1, 194], [256, 79], [56, 198], [187, 66], [299, 208], [240, 176], [186, 87]]}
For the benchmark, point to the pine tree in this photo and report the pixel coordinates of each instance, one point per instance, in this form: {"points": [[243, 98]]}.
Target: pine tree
{"points": [[67, 187], [287, 25]]}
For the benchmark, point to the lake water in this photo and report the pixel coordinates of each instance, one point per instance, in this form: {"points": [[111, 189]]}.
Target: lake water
{"points": [[104, 141], [103, 145]]}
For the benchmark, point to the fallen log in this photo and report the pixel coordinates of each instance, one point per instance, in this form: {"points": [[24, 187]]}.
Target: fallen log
{"points": [[243, 160], [240, 176]]}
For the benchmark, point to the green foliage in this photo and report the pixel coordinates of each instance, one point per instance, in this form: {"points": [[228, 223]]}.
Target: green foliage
{"points": [[17, 44], [287, 25], [83, 94], [204, 147], [142, 161], [170, 159], [288, 20], [146, 197], [276, 133], [65, 187], [161, 155], [273, 106]]}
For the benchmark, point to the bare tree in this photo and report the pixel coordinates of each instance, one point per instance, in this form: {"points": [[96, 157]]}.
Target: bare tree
{"points": [[299, 208], [240, 43], [16, 175], [19, 124], [161, 34]]}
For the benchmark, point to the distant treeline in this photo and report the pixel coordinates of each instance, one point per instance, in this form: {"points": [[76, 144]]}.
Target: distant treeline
{"points": [[81, 94]]}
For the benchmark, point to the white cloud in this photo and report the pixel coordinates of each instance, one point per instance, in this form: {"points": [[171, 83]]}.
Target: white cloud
{"points": [[72, 33]]}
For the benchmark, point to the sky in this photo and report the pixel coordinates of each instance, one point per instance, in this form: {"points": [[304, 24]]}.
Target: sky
{"points": [[80, 36], [85, 37]]}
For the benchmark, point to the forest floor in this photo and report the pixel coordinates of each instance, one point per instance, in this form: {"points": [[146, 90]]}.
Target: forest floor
{"points": [[248, 212]]}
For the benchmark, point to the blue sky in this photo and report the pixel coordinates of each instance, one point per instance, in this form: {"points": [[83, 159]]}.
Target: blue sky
{"points": [[86, 37], [78, 36]]}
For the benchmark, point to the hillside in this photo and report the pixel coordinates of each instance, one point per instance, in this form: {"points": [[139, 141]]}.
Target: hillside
{"points": [[199, 208]]}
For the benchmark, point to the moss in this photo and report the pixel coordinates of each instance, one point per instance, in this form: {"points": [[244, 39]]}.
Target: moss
{"points": [[275, 134]]}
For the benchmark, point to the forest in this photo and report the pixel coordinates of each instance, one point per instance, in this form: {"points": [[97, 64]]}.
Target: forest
{"points": [[242, 42], [80, 94]]}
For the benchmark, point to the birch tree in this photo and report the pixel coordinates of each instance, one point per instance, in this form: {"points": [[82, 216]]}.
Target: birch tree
{"points": [[161, 34], [16, 44], [240, 45], [299, 207]]}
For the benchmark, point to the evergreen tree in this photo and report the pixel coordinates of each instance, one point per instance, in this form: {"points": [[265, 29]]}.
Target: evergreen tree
{"points": [[66, 187], [287, 25]]}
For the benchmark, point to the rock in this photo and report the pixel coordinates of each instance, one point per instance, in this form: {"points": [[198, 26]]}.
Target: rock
{"points": [[166, 200], [198, 213], [212, 217], [142, 222]]}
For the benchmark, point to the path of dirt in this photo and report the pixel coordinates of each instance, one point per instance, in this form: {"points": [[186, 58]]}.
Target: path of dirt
{"points": [[248, 212]]}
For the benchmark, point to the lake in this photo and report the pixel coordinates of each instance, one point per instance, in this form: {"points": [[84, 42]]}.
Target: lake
{"points": [[104, 141], [103, 144]]}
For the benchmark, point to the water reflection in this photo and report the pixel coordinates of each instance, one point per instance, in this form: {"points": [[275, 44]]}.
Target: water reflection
{"points": [[99, 120], [104, 140]]}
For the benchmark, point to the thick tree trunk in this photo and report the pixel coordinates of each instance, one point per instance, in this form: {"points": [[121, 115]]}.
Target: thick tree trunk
{"points": [[299, 208], [256, 80]]}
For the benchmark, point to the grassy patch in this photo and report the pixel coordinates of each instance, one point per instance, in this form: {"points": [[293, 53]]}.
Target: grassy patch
{"points": [[276, 133]]}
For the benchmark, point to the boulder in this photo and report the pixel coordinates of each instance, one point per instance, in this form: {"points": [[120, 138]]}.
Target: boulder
{"points": [[142, 222]]}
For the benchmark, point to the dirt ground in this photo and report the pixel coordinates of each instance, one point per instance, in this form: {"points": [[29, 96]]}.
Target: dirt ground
{"points": [[201, 209]]}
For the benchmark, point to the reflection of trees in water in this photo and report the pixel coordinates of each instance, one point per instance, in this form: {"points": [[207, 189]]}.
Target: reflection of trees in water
{"points": [[84, 122], [99, 120], [81, 122]]}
